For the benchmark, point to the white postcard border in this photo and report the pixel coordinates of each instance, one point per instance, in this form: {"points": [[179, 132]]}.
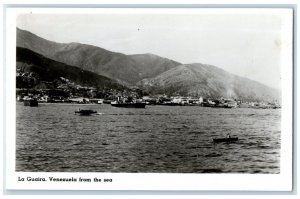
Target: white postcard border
{"points": [[149, 181]]}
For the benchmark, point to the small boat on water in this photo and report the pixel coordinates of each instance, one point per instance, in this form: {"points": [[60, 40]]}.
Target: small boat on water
{"points": [[221, 106], [85, 112], [31, 102], [128, 103], [231, 139], [227, 139]]}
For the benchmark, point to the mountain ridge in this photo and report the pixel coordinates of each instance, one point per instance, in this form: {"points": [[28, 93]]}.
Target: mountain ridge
{"points": [[205, 80], [155, 74], [123, 68], [50, 70]]}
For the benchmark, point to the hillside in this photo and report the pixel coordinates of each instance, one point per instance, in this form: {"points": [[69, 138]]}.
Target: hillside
{"points": [[151, 65], [125, 69], [154, 74], [207, 81], [49, 70]]}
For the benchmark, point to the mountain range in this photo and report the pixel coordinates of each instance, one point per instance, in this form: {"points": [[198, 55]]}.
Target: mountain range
{"points": [[125, 69], [49, 70], [206, 80], [152, 73]]}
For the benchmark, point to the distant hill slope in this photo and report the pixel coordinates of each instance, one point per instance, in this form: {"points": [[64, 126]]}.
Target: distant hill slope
{"points": [[207, 81], [153, 73], [123, 68], [49, 70], [151, 65]]}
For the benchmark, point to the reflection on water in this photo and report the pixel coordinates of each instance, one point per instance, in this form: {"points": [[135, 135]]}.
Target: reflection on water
{"points": [[156, 139]]}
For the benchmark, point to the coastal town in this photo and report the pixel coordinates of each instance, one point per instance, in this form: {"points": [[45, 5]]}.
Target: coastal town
{"points": [[65, 91]]}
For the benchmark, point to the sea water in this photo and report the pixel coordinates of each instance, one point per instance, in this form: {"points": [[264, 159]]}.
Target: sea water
{"points": [[157, 139]]}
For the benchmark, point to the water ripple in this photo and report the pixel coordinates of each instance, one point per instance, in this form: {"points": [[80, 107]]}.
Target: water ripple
{"points": [[156, 139]]}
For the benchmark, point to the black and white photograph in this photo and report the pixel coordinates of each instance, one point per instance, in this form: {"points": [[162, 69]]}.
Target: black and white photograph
{"points": [[151, 92]]}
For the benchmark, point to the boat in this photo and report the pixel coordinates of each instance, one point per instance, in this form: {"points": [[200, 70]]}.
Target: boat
{"points": [[221, 106], [107, 101], [224, 105], [128, 104], [31, 102], [85, 112], [227, 139]]}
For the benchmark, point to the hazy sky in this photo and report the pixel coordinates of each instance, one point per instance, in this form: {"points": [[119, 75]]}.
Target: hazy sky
{"points": [[248, 45]]}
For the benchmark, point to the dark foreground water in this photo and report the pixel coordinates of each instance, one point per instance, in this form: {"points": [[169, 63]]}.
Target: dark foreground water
{"points": [[158, 139]]}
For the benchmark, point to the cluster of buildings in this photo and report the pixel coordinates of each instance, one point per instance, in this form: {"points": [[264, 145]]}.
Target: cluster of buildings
{"points": [[154, 100], [206, 102], [66, 91]]}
